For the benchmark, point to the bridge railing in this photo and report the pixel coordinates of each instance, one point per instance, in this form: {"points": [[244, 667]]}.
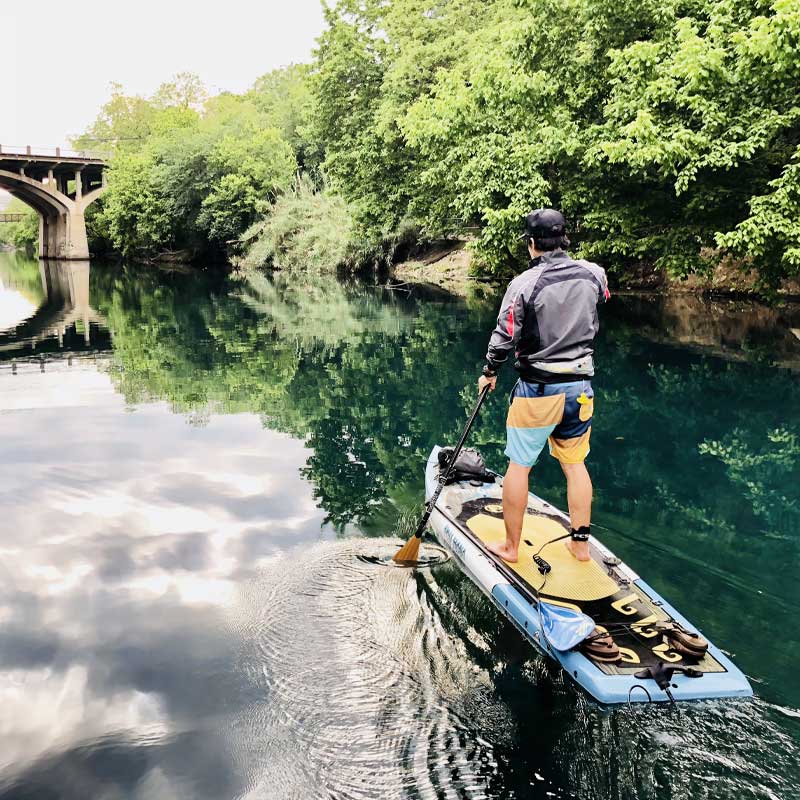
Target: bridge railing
{"points": [[52, 152]]}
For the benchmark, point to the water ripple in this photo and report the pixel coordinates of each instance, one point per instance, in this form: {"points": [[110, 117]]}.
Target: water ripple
{"points": [[375, 683], [359, 685]]}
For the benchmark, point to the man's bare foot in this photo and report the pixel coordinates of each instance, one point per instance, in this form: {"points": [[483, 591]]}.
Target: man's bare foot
{"points": [[504, 550], [579, 550]]}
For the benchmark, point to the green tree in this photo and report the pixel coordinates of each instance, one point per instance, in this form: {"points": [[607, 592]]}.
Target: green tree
{"points": [[137, 208], [284, 97], [306, 229], [188, 172], [668, 131], [24, 234]]}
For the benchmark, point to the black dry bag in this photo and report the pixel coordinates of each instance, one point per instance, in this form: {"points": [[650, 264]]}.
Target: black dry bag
{"points": [[469, 466]]}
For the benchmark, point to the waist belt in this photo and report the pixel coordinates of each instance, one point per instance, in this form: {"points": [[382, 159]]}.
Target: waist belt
{"points": [[556, 371], [576, 366]]}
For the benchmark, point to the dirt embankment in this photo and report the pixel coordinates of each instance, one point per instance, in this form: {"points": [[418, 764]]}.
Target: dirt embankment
{"points": [[448, 264], [727, 278]]}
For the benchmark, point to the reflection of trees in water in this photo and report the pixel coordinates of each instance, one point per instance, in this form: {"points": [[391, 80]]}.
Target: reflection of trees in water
{"points": [[321, 311], [689, 428], [694, 460], [702, 493], [358, 350], [371, 381], [737, 330], [22, 274]]}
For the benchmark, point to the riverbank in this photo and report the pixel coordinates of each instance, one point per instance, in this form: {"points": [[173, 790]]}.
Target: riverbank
{"points": [[449, 266], [722, 316]]}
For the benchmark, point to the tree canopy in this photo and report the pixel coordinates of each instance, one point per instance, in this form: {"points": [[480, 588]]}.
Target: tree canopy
{"points": [[665, 130], [22, 234], [668, 131]]}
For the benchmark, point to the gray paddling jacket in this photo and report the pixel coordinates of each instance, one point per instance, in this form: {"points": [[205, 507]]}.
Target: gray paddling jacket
{"points": [[549, 318]]}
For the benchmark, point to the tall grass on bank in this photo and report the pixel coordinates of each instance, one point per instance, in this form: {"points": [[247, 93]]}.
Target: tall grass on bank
{"points": [[313, 230], [305, 229]]}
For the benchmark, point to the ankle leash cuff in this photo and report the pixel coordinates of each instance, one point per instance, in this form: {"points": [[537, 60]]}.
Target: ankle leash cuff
{"points": [[581, 534]]}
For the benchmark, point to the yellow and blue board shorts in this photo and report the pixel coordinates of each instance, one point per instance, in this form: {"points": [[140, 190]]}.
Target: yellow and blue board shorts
{"points": [[558, 413]]}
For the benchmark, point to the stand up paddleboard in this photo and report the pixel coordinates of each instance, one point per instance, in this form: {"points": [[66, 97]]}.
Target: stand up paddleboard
{"points": [[612, 633]]}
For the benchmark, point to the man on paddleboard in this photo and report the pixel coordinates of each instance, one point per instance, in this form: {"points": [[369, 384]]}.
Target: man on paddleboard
{"points": [[548, 318]]}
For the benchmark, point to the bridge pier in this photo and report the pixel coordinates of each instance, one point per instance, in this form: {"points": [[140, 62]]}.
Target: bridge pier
{"points": [[71, 242], [63, 236], [45, 235]]}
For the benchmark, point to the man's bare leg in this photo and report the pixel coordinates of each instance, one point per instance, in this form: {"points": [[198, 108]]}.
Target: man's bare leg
{"points": [[579, 499], [515, 502]]}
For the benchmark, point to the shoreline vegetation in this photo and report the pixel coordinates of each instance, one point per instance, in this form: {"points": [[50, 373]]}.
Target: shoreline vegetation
{"points": [[668, 132]]}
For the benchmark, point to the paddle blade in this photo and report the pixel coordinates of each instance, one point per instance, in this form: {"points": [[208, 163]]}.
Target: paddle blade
{"points": [[409, 551]]}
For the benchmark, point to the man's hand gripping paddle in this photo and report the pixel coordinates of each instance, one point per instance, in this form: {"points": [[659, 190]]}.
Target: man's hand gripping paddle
{"points": [[409, 552]]}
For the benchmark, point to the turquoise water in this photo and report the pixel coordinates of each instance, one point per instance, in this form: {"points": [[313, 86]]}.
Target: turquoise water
{"points": [[192, 464]]}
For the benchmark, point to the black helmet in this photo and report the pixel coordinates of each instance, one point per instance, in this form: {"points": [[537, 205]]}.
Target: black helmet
{"points": [[544, 223]]}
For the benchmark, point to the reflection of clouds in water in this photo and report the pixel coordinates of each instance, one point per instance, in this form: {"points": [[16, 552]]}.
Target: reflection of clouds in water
{"points": [[14, 307], [43, 708], [128, 669], [124, 535], [358, 689]]}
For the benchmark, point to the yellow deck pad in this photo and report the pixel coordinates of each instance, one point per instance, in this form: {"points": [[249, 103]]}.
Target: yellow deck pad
{"points": [[569, 578]]}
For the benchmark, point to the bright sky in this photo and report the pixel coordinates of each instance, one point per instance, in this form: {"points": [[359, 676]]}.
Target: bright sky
{"points": [[55, 70]]}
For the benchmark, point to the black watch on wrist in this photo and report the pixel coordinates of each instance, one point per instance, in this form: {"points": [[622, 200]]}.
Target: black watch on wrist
{"points": [[488, 372]]}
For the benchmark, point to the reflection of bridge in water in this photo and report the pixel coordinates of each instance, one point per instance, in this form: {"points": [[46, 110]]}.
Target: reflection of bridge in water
{"points": [[64, 325]]}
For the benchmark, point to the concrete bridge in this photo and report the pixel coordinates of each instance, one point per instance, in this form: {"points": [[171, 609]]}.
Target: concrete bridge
{"points": [[60, 185]]}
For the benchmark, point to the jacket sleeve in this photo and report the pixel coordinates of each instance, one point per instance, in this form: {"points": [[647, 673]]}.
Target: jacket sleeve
{"points": [[605, 294], [509, 327]]}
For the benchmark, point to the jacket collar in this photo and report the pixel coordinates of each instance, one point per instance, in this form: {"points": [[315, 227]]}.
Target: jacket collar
{"points": [[548, 258]]}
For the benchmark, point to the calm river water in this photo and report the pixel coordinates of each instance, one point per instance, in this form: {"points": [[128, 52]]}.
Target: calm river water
{"points": [[192, 464]]}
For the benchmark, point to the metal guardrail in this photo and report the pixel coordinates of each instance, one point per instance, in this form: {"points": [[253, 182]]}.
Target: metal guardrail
{"points": [[79, 359], [52, 152]]}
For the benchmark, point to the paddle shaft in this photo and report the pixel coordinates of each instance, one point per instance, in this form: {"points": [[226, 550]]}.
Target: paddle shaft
{"points": [[443, 476]]}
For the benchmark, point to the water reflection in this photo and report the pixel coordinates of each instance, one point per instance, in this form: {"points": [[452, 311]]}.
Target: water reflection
{"points": [[55, 320], [736, 330], [114, 634], [14, 306], [172, 625]]}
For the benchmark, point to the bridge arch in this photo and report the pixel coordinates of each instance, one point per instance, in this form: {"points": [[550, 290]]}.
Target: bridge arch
{"points": [[35, 194]]}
